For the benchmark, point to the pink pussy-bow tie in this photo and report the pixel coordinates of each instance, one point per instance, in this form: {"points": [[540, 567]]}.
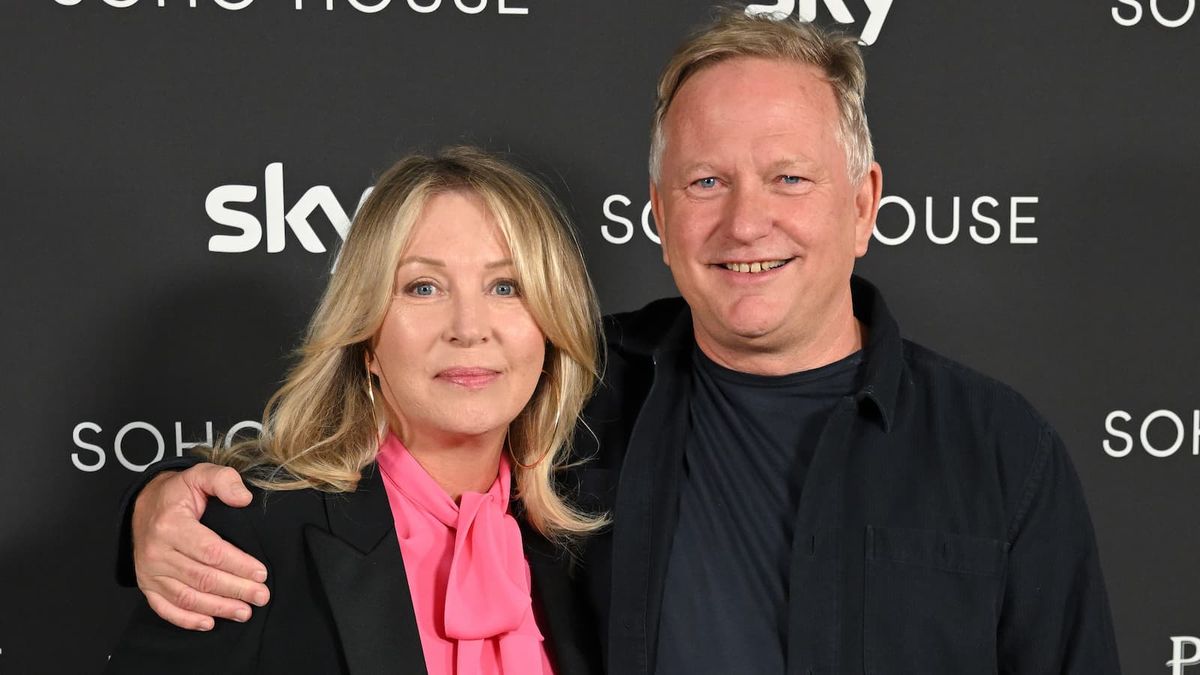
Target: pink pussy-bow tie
{"points": [[488, 590]]}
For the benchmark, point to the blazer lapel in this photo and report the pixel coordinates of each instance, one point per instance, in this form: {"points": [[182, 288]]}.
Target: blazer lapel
{"points": [[362, 572], [647, 506], [570, 635]]}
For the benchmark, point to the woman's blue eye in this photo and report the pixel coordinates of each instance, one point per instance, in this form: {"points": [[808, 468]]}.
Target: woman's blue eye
{"points": [[707, 182], [506, 288], [423, 289]]}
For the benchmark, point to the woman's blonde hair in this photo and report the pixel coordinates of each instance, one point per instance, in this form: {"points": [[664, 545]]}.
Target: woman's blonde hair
{"points": [[320, 429]]}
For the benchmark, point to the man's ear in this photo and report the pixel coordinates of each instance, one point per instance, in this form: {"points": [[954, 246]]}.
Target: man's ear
{"points": [[659, 221], [866, 208]]}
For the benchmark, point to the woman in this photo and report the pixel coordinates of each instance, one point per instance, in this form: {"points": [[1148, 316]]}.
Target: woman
{"points": [[442, 374]]}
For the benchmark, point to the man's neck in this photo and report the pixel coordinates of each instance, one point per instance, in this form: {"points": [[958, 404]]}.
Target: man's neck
{"points": [[837, 339]]}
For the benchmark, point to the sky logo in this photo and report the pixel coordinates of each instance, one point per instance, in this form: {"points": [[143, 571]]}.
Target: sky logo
{"points": [[279, 219], [877, 11]]}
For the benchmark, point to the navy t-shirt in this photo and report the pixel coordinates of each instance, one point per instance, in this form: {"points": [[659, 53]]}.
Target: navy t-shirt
{"points": [[750, 440]]}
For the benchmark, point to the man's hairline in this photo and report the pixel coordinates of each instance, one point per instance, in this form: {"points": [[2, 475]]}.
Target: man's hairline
{"points": [[658, 140]]}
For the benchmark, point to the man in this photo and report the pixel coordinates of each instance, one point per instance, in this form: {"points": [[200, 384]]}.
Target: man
{"points": [[794, 488]]}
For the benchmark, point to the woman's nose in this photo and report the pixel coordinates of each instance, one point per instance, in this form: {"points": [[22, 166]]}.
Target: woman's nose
{"points": [[468, 323]]}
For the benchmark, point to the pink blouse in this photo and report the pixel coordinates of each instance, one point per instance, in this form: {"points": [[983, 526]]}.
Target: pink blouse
{"points": [[466, 571]]}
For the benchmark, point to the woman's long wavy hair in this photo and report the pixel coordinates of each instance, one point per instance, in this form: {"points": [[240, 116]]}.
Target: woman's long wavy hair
{"points": [[320, 428]]}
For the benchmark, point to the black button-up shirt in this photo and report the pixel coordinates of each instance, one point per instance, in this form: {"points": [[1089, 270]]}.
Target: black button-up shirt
{"points": [[941, 527]]}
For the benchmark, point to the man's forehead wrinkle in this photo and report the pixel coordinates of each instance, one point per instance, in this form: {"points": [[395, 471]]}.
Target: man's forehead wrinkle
{"points": [[791, 161], [746, 74], [727, 108], [712, 127], [771, 149], [779, 116]]}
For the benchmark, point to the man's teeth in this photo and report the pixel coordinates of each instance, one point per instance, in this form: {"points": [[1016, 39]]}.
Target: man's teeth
{"points": [[755, 267]]}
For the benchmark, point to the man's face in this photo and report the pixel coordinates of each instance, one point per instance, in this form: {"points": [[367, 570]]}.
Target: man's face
{"points": [[759, 222]]}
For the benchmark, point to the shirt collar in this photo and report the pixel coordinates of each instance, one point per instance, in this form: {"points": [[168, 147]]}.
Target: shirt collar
{"points": [[664, 334], [883, 354], [406, 475]]}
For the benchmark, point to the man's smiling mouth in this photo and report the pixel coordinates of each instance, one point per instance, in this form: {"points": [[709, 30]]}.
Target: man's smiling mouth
{"points": [[755, 267]]}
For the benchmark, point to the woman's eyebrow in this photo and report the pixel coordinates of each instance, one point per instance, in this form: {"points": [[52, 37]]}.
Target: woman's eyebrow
{"points": [[506, 262], [423, 260]]}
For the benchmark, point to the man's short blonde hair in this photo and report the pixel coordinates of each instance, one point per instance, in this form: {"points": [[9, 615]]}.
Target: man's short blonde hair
{"points": [[734, 33]]}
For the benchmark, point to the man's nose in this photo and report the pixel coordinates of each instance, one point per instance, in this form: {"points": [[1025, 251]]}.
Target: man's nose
{"points": [[748, 214], [468, 323]]}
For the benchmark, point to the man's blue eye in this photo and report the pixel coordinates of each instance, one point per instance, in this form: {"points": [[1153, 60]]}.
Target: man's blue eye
{"points": [[707, 182], [791, 180]]}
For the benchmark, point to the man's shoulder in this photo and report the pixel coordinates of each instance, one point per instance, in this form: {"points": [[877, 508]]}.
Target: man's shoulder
{"points": [[994, 433], [956, 388]]}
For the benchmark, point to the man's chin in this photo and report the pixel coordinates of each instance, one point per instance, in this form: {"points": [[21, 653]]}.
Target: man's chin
{"points": [[747, 320], [750, 329], [751, 334], [752, 318]]}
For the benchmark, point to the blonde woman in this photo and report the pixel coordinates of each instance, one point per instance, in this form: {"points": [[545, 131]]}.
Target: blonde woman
{"points": [[402, 485]]}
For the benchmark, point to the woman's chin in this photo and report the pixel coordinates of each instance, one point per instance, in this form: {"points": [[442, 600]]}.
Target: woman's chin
{"points": [[466, 424]]}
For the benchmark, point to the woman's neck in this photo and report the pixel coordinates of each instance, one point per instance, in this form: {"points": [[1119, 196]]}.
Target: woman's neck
{"points": [[458, 463]]}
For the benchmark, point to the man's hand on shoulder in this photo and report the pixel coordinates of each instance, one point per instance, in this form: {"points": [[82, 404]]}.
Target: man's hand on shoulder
{"points": [[189, 574]]}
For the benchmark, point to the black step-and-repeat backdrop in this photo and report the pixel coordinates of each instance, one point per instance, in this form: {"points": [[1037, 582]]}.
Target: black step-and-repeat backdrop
{"points": [[177, 175]]}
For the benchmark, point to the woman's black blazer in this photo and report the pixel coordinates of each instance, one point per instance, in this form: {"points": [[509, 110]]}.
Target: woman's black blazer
{"points": [[339, 596]]}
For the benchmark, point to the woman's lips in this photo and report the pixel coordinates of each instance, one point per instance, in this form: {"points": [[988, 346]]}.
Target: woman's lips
{"points": [[469, 378]]}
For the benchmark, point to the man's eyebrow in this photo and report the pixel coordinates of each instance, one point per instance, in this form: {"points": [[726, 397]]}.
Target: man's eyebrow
{"points": [[798, 161], [789, 162], [696, 167], [506, 262]]}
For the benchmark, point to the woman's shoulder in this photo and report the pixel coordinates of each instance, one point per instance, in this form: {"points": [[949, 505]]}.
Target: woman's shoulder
{"points": [[272, 518]]}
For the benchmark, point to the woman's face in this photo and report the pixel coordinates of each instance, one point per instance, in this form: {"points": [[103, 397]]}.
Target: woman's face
{"points": [[458, 353]]}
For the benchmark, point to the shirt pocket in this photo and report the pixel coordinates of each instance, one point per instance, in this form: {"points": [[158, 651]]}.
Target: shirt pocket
{"points": [[931, 602]]}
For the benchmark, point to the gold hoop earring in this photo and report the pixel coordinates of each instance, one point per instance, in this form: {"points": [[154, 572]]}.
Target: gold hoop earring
{"points": [[545, 453], [371, 396], [370, 388], [527, 467]]}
